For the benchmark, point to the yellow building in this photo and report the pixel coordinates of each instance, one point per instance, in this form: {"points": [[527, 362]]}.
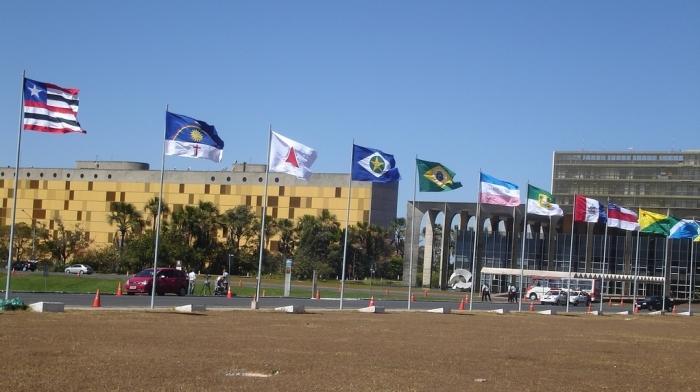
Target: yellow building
{"points": [[83, 195]]}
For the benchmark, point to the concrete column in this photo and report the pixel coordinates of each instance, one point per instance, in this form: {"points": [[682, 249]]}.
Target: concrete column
{"points": [[428, 247], [445, 261], [407, 244]]}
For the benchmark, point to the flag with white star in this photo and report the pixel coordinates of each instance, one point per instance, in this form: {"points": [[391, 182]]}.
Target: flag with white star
{"points": [[187, 137], [50, 108], [370, 164]]}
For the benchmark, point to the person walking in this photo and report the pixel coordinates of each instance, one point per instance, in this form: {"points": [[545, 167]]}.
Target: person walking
{"points": [[191, 278], [206, 287], [485, 293]]}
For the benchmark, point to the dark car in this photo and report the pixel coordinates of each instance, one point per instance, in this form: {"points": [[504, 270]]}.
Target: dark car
{"points": [[170, 280], [24, 266], [654, 302]]}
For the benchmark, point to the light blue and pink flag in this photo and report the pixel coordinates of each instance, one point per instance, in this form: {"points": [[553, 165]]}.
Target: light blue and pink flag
{"points": [[499, 192]]}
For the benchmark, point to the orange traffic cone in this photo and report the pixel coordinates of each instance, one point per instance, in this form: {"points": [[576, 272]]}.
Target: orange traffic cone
{"points": [[413, 298], [228, 293], [461, 304], [96, 302], [371, 301], [119, 289], [635, 308], [318, 294]]}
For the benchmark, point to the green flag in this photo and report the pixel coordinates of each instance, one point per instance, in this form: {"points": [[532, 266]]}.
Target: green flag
{"points": [[651, 222], [541, 202], [434, 177]]}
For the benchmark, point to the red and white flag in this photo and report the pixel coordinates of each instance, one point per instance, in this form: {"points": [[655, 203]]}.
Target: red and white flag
{"points": [[291, 157], [586, 209], [50, 108], [622, 218]]}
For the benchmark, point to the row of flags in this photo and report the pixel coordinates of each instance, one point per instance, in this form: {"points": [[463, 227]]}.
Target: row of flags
{"points": [[50, 108]]}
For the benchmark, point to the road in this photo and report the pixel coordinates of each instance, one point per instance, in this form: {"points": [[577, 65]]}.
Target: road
{"points": [[223, 303]]}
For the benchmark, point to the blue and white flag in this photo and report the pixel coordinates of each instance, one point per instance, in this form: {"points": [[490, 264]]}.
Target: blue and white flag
{"points": [[187, 137], [369, 164], [685, 228]]}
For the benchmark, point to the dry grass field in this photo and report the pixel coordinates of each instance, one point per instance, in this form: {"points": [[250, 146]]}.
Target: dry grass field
{"points": [[333, 351]]}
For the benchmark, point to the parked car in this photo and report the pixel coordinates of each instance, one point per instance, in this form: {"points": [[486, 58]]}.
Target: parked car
{"points": [[170, 280], [24, 266], [654, 302], [536, 292], [554, 297], [79, 269], [579, 297]]}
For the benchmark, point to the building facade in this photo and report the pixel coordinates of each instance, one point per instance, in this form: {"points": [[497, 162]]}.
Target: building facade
{"points": [[83, 195], [656, 180]]}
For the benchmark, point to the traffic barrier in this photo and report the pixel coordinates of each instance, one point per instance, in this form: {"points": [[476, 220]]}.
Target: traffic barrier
{"points": [[96, 303], [461, 304], [119, 289], [371, 302], [228, 293]]}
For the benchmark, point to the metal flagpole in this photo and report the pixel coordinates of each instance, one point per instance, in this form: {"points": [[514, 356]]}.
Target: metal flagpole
{"points": [[413, 225], [159, 217], [476, 236], [636, 273], [15, 192], [571, 254], [347, 226], [605, 252], [256, 300], [692, 256], [445, 227], [522, 252], [663, 296]]}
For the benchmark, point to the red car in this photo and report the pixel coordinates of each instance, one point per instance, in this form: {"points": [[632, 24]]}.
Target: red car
{"points": [[170, 280]]}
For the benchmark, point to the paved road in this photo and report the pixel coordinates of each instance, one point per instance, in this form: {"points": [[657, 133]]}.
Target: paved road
{"points": [[169, 301]]}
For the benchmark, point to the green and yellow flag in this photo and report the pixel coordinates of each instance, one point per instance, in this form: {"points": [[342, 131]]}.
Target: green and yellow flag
{"points": [[651, 222], [434, 177]]}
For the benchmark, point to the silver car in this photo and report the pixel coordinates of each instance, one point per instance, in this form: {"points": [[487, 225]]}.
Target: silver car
{"points": [[79, 269]]}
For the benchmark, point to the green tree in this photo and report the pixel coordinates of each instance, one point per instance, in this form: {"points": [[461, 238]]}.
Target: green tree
{"points": [[127, 219], [152, 209], [63, 244], [319, 245]]}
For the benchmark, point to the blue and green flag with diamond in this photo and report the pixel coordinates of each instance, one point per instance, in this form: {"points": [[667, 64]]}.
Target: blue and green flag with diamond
{"points": [[435, 177], [370, 164]]}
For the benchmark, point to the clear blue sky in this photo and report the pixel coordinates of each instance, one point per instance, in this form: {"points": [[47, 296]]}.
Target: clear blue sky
{"points": [[496, 85]]}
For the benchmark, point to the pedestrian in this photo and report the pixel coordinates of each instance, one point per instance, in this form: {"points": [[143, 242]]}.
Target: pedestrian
{"points": [[485, 293], [206, 287], [513, 293], [191, 278]]}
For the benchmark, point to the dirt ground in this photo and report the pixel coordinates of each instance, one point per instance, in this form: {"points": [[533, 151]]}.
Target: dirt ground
{"points": [[333, 351]]}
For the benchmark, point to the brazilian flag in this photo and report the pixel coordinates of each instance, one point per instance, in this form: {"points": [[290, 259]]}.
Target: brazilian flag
{"points": [[434, 177]]}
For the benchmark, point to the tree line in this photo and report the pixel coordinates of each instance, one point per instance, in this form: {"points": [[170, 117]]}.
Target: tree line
{"points": [[203, 239]]}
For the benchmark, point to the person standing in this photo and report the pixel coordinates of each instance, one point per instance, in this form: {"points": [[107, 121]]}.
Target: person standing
{"points": [[485, 293], [191, 278]]}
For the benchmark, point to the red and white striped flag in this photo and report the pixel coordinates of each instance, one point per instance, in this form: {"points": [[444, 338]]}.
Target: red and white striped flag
{"points": [[50, 108]]}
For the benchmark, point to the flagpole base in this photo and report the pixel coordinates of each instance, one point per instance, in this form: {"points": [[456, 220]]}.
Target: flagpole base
{"points": [[254, 305]]}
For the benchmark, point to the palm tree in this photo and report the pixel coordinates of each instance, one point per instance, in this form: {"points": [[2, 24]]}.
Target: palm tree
{"points": [[127, 218], [152, 209], [240, 224]]}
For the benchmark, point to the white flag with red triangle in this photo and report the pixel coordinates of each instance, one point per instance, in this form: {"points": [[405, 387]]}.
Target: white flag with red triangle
{"points": [[291, 157]]}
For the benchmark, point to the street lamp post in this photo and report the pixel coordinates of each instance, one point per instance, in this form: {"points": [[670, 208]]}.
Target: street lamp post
{"points": [[228, 277], [33, 234]]}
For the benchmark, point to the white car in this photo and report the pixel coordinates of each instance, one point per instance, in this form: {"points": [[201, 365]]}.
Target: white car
{"points": [[554, 297], [79, 269], [536, 292], [579, 297]]}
